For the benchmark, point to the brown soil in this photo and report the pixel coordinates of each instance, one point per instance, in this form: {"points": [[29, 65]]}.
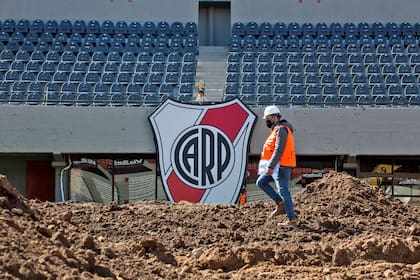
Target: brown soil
{"points": [[347, 230]]}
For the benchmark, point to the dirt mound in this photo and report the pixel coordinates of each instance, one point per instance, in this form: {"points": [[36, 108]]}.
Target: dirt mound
{"points": [[347, 230]]}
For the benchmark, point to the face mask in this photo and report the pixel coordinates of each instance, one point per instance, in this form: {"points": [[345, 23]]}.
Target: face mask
{"points": [[268, 123]]}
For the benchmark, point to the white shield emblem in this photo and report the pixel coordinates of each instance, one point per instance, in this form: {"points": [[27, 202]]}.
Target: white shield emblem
{"points": [[202, 150]]}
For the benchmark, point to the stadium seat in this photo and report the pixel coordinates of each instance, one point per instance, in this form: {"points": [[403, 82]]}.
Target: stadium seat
{"points": [[101, 99], [92, 78], [135, 100], [84, 99]]}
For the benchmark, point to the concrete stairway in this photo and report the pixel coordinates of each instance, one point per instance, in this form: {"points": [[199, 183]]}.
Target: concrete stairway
{"points": [[211, 68]]}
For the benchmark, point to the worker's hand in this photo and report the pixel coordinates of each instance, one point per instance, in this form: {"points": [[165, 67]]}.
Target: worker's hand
{"points": [[269, 171]]}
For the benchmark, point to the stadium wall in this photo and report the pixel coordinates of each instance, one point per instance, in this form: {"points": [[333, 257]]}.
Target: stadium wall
{"points": [[325, 11], [127, 10], [108, 130]]}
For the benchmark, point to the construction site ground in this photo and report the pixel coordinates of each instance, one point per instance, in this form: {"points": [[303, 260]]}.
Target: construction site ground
{"points": [[346, 230]]}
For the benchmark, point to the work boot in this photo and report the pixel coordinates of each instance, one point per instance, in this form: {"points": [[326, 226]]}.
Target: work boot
{"points": [[289, 223], [279, 209]]}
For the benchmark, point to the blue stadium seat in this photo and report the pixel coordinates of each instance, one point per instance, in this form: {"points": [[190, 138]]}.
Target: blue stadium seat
{"points": [[329, 89], [346, 90], [149, 27], [17, 66], [101, 99], [51, 26], [9, 25], [332, 101], [163, 27], [392, 79], [252, 28], [76, 77], [342, 68], [68, 87], [378, 29], [399, 101], [17, 98], [239, 29], [51, 98], [155, 78], [28, 76], [408, 79], [135, 100], [79, 26], [121, 27], [68, 99], [65, 26], [107, 27], [233, 78], [231, 89], [172, 78], [177, 28], [68, 56], [135, 28], [127, 67], [281, 89], [142, 68], [395, 90], [53, 87], [266, 28], [12, 76], [312, 68], [117, 100], [364, 28], [282, 100], [44, 77], [150, 89], [37, 26], [111, 67], [4, 97], [280, 78], [118, 88], [85, 88], [134, 88], [392, 28], [84, 99], [53, 56], [348, 101], [76, 38], [140, 78]]}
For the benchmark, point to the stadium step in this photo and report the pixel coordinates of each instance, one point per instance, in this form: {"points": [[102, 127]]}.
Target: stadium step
{"points": [[211, 68]]}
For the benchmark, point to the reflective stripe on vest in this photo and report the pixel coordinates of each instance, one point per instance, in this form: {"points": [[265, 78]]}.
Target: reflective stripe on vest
{"points": [[288, 157]]}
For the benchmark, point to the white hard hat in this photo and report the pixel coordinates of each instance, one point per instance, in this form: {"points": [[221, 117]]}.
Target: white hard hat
{"points": [[271, 110]]}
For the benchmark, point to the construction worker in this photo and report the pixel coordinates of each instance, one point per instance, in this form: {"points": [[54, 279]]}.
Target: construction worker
{"points": [[277, 160]]}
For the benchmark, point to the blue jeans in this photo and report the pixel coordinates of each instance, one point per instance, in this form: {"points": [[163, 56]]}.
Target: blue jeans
{"points": [[281, 179]]}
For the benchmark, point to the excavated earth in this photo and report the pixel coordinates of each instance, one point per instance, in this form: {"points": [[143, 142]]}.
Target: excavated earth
{"points": [[347, 230]]}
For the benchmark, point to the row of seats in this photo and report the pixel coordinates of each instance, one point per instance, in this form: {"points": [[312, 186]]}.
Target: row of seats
{"points": [[88, 99], [131, 44], [324, 57], [15, 77], [324, 29], [171, 89], [407, 90], [67, 26], [329, 101], [98, 56]]}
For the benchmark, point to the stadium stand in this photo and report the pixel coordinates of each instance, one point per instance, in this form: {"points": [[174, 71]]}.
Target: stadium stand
{"points": [[94, 63], [341, 64]]}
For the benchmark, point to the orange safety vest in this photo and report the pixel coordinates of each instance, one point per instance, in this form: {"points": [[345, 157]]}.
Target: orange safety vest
{"points": [[288, 157]]}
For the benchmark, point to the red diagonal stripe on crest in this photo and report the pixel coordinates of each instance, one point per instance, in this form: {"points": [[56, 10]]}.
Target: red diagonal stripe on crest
{"points": [[228, 119], [181, 191]]}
